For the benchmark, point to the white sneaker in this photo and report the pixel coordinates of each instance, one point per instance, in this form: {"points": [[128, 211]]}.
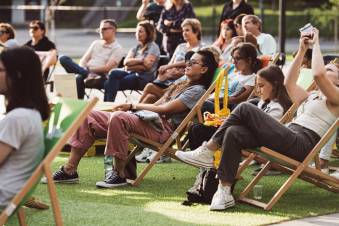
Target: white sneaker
{"points": [[146, 152], [324, 170], [201, 157], [222, 198], [335, 174], [163, 158]]}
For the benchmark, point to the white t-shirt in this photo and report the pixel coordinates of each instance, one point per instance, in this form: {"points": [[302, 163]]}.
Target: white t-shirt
{"points": [[273, 108], [267, 44], [100, 53], [238, 81], [21, 129]]}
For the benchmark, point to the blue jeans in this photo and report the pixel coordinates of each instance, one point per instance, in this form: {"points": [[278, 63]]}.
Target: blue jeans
{"points": [[119, 79], [81, 73]]}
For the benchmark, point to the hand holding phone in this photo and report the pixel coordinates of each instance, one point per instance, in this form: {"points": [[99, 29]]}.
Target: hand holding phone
{"points": [[307, 31]]}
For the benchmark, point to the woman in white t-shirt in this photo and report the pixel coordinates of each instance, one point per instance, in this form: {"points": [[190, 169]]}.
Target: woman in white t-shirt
{"points": [[242, 80], [21, 132]]}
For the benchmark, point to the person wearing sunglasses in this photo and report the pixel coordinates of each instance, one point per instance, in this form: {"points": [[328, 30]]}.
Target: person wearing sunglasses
{"points": [[117, 126], [103, 55], [41, 44], [7, 36]]}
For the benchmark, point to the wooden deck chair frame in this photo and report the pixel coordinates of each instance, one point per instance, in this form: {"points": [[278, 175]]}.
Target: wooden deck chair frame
{"points": [[308, 85], [296, 170], [176, 137], [44, 168]]}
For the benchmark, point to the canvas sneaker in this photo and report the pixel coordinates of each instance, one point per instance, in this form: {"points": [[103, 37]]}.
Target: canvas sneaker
{"points": [[60, 176], [113, 181], [163, 158], [143, 156], [222, 198], [201, 157]]}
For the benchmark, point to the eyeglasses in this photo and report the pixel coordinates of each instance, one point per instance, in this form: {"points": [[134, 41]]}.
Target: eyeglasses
{"points": [[104, 29], [192, 62], [34, 28], [237, 59]]}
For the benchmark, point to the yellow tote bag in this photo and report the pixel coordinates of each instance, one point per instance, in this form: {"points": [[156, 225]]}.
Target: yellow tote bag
{"points": [[219, 116]]}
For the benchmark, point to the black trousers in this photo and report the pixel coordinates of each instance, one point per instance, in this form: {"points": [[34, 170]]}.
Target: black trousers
{"points": [[250, 127], [198, 133]]}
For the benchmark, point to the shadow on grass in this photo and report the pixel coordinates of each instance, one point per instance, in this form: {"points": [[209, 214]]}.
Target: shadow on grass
{"points": [[157, 200]]}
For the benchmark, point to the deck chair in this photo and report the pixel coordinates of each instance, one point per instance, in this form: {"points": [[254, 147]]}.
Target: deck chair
{"points": [[296, 169], [305, 81], [176, 138], [66, 117]]}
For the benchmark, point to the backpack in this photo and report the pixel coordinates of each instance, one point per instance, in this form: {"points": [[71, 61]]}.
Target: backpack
{"points": [[204, 187]]}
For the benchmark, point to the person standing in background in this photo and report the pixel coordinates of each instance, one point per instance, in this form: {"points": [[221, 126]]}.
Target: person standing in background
{"points": [[170, 23], [151, 11], [234, 8]]}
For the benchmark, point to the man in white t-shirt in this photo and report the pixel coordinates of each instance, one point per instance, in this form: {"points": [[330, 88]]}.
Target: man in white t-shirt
{"points": [[102, 56], [266, 42]]}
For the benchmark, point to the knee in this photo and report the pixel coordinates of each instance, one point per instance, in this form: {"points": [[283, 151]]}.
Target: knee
{"points": [[231, 134], [149, 87], [118, 116], [63, 59]]}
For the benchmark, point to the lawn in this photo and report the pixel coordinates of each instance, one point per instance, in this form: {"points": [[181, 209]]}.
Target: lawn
{"points": [[157, 201]]}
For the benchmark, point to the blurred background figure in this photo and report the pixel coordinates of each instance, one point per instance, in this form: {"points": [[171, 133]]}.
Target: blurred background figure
{"points": [[170, 23], [7, 36]]}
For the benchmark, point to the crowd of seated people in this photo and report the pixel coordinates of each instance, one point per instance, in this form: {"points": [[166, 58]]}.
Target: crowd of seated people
{"points": [[170, 92]]}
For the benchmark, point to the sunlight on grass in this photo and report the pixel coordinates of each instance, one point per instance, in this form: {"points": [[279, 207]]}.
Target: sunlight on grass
{"points": [[201, 214], [112, 192]]}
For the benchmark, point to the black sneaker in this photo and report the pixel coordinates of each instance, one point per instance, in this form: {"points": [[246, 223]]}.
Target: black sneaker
{"points": [[113, 181], [60, 176]]}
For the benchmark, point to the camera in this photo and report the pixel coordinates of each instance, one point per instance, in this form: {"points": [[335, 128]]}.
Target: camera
{"points": [[307, 31]]}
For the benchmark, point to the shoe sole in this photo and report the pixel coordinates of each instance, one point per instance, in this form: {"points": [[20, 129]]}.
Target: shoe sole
{"points": [[70, 181], [195, 163], [111, 185], [226, 206]]}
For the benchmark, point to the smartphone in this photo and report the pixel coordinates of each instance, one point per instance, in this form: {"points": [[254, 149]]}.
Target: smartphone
{"points": [[307, 31]]}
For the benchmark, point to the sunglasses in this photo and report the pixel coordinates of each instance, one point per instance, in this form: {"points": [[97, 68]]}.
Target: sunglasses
{"points": [[34, 28], [192, 62], [104, 29]]}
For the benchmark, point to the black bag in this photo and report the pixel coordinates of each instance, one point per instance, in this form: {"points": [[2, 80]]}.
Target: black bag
{"points": [[205, 185]]}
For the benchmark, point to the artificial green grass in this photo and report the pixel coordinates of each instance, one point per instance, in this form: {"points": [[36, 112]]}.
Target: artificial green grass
{"points": [[157, 201]]}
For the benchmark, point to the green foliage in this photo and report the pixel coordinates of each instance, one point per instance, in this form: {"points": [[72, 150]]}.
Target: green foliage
{"points": [[325, 15]]}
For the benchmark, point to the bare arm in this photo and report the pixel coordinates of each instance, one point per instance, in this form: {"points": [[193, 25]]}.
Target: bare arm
{"points": [[48, 58], [85, 58], [111, 63], [319, 72], [242, 96], [174, 106], [5, 151], [142, 10], [144, 64], [296, 93]]}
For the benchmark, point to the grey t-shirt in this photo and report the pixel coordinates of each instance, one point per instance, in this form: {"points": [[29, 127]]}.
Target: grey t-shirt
{"points": [[151, 49], [189, 97], [21, 129]]}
